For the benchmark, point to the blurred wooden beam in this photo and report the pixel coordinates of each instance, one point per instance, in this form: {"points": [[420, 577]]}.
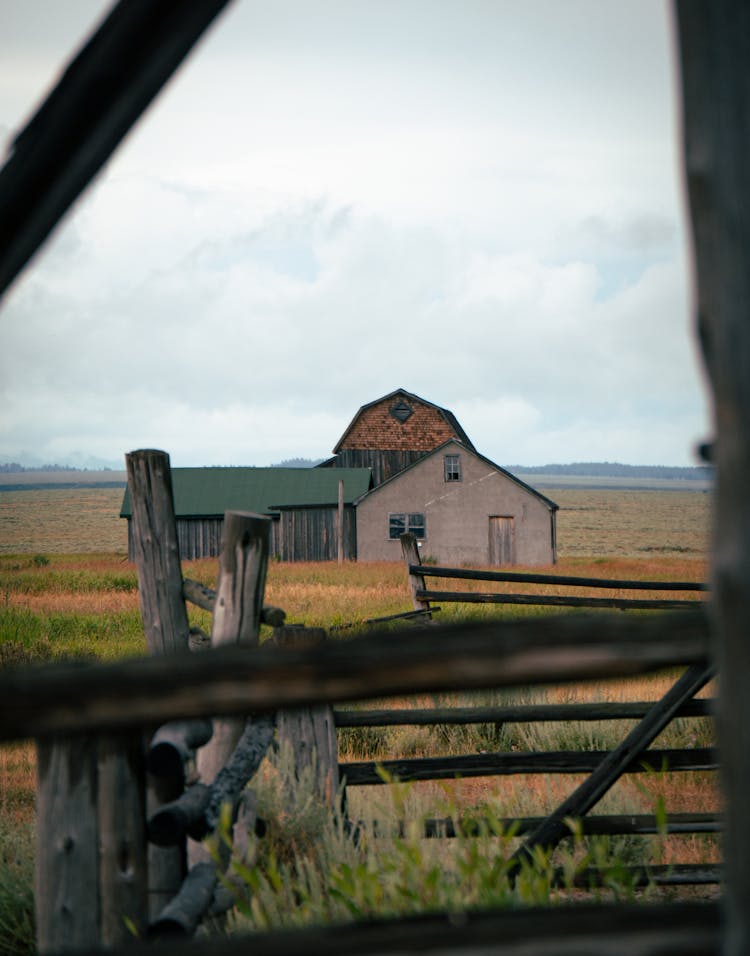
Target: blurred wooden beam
{"points": [[99, 97]]}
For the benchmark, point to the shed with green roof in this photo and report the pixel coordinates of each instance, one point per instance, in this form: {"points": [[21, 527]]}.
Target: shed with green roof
{"points": [[302, 503]]}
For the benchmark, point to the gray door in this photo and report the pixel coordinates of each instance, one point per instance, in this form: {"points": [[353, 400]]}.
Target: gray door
{"points": [[502, 540]]}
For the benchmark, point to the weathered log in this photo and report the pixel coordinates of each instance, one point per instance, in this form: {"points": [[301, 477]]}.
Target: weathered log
{"points": [[519, 714], [205, 597], [156, 551], [714, 43], [523, 577], [618, 761], [237, 610], [64, 698], [121, 823], [364, 773], [97, 99], [643, 929], [165, 622], [182, 915], [413, 563], [174, 744], [195, 813], [637, 824], [242, 577], [233, 777], [553, 600], [66, 892], [183, 817]]}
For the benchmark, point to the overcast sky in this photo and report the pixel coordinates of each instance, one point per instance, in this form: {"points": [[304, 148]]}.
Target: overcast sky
{"points": [[477, 200]]}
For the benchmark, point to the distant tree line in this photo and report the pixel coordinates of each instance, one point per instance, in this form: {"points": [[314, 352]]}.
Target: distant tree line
{"points": [[13, 467], [613, 469]]}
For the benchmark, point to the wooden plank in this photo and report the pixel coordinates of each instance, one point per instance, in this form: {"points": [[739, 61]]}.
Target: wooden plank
{"points": [[156, 552], [714, 44], [619, 760], [98, 98], [43, 700], [606, 824], [66, 891], [552, 600], [523, 713], [522, 577], [366, 772], [667, 929], [205, 597], [121, 823], [307, 734], [157, 558], [413, 563], [236, 622]]}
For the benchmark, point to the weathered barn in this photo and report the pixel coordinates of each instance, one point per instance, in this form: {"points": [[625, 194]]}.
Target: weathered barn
{"points": [[303, 503], [393, 432], [406, 465], [462, 508]]}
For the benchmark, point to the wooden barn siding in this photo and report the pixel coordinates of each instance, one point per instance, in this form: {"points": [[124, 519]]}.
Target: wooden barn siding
{"points": [[310, 534], [201, 538], [384, 462]]}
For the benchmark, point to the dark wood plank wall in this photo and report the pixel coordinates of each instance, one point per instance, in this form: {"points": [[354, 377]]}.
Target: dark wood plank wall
{"points": [[310, 534], [384, 462], [201, 538]]}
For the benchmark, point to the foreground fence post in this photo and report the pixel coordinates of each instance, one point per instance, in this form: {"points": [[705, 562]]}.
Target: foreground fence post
{"points": [[308, 734], [165, 622], [237, 612], [66, 890]]}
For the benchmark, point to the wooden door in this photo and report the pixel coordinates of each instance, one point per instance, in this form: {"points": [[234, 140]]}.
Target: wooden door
{"points": [[502, 540]]}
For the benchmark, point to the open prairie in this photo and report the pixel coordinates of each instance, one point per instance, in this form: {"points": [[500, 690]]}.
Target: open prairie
{"points": [[591, 522], [67, 590]]}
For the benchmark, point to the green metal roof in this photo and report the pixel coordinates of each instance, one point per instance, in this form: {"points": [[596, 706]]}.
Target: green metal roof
{"points": [[202, 492]]}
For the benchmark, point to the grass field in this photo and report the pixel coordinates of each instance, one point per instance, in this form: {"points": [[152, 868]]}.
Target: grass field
{"points": [[66, 589], [591, 522]]}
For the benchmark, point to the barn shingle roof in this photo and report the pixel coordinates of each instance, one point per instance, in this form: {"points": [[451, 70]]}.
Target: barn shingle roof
{"points": [[203, 492], [447, 415]]}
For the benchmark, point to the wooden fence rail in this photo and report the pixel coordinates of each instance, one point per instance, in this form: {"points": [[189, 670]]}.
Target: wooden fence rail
{"points": [[422, 597]]}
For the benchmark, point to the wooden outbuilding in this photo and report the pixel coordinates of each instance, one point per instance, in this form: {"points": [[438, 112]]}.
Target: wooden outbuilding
{"points": [[303, 503]]}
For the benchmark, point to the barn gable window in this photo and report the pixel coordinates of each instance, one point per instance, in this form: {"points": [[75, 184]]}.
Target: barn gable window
{"points": [[452, 466], [401, 411], [399, 524]]}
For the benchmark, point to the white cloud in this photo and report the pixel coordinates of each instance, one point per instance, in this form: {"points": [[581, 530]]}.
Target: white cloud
{"points": [[479, 207]]}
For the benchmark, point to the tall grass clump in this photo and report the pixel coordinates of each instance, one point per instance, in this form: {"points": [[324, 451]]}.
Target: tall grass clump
{"points": [[311, 866], [17, 932]]}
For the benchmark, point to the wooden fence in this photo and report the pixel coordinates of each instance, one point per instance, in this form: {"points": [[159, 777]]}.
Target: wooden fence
{"points": [[88, 718], [422, 596], [118, 827]]}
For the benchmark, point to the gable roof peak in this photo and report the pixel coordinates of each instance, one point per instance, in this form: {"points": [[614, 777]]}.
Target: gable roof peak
{"points": [[401, 398]]}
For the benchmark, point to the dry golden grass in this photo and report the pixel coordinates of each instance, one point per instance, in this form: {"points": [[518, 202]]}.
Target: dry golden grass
{"points": [[609, 534]]}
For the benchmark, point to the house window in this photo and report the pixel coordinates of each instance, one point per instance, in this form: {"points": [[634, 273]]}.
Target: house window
{"points": [[399, 524], [452, 464]]}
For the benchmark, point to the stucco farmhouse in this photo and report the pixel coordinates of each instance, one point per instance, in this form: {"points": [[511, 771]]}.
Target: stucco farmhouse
{"points": [[406, 465]]}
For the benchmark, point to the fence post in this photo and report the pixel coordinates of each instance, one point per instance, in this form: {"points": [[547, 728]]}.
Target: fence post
{"points": [[237, 611], [416, 581], [165, 622], [309, 733], [66, 876], [123, 857]]}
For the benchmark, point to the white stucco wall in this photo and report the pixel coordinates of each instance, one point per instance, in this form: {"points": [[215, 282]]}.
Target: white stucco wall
{"points": [[456, 513]]}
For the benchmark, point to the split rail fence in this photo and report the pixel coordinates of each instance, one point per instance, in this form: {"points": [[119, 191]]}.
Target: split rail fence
{"points": [[119, 823]]}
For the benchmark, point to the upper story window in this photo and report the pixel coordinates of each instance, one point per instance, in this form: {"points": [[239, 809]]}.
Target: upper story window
{"points": [[452, 464]]}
